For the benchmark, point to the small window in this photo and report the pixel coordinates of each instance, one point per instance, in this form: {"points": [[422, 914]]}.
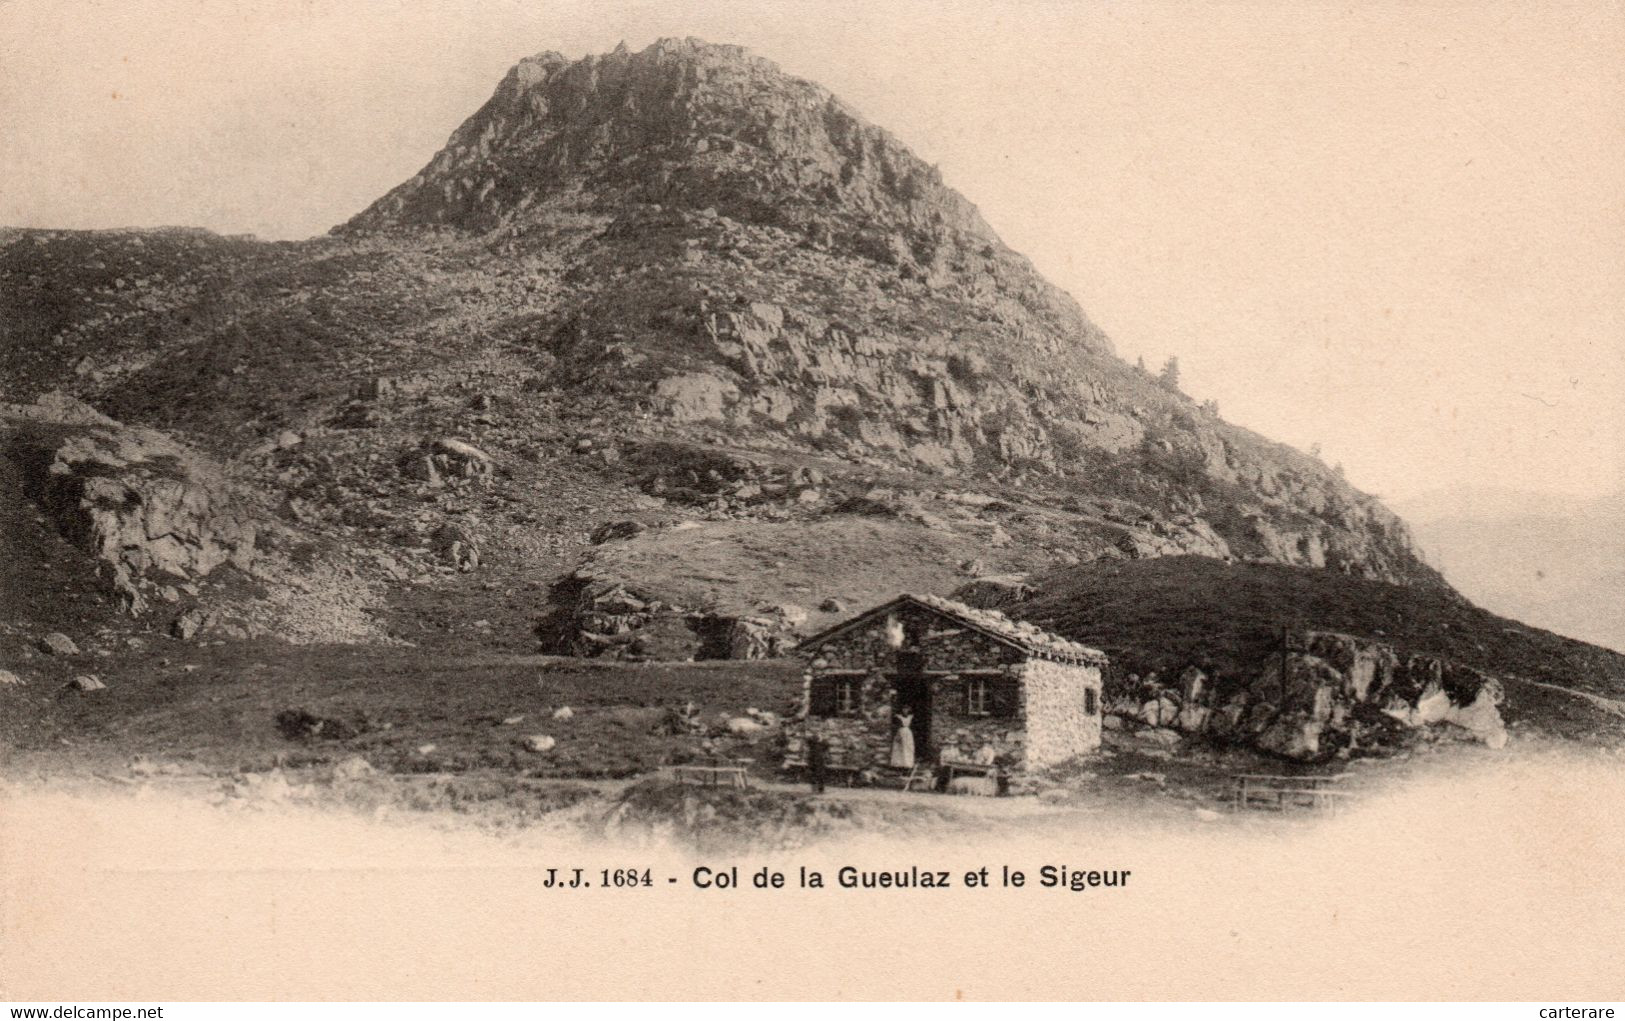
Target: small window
{"points": [[836, 696], [977, 702], [1091, 702], [846, 696], [990, 695]]}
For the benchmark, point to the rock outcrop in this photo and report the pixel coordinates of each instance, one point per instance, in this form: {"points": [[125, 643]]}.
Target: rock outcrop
{"points": [[152, 512], [1321, 695], [990, 592], [605, 617]]}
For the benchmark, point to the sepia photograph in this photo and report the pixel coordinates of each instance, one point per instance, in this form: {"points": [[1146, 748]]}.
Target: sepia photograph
{"points": [[603, 500]]}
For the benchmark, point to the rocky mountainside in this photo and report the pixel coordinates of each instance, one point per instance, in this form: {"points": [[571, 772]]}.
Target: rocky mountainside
{"points": [[664, 329], [775, 265]]}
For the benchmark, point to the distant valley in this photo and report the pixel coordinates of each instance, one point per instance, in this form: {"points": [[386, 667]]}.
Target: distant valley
{"points": [[1554, 562]]}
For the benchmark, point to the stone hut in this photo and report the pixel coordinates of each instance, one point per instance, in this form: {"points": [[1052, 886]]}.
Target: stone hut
{"points": [[977, 685]]}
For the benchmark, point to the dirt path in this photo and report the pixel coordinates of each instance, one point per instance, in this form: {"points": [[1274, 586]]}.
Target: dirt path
{"points": [[1608, 705]]}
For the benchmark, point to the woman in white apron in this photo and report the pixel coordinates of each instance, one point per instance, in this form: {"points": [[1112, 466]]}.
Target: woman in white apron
{"points": [[902, 741]]}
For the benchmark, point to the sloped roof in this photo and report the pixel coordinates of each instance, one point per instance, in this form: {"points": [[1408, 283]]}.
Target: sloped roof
{"points": [[1028, 638]]}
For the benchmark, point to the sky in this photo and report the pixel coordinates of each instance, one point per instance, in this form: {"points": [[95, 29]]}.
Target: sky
{"points": [[1393, 231]]}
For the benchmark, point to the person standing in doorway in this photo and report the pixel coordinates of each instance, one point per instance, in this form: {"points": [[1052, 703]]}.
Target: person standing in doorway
{"points": [[902, 741]]}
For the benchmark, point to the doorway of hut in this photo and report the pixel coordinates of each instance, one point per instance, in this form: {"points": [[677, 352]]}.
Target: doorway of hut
{"points": [[912, 698]]}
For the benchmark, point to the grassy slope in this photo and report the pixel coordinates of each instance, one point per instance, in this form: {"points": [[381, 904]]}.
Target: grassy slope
{"points": [[222, 713], [736, 566]]}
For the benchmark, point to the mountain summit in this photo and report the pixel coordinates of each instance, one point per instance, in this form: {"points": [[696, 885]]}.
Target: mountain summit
{"points": [[684, 124], [687, 128]]}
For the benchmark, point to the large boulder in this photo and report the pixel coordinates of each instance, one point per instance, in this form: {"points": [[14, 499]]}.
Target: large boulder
{"points": [[1292, 735], [1159, 711], [695, 396], [1482, 717], [994, 591], [752, 638], [790, 615], [602, 617], [456, 542], [188, 623], [436, 460], [459, 458], [620, 618], [58, 644]]}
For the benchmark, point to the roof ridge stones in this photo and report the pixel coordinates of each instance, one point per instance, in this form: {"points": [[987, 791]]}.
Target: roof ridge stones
{"points": [[1020, 632], [1023, 635]]}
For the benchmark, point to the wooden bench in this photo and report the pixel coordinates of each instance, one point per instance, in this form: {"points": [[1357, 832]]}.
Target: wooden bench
{"points": [[1264, 790], [923, 773], [734, 772]]}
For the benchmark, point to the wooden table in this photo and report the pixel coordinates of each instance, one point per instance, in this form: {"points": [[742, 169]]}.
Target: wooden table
{"points": [[849, 773], [984, 769]]}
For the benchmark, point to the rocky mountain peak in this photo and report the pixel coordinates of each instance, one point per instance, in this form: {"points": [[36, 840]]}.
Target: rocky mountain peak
{"points": [[681, 123], [689, 144]]}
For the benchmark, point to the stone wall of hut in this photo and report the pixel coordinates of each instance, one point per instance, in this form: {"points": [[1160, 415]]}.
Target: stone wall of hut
{"points": [[863, 740], [1062, 720], [963, 736]]}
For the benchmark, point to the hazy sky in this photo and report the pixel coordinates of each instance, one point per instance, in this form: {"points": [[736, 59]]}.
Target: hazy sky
{"points": [[1398, 232]]}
